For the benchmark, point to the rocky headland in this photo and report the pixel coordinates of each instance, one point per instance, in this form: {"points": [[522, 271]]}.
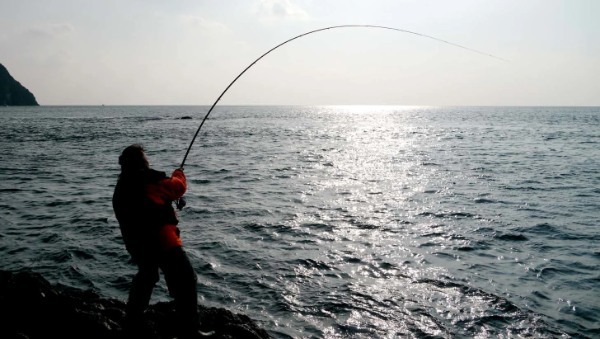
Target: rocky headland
{"points": [[12, 93], [31, 307]]}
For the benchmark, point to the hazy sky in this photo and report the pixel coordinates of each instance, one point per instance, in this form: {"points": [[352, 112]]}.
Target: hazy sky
{"points": [[151, 52]]}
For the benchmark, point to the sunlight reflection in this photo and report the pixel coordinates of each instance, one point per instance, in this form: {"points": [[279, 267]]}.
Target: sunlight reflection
{"points": [[380, 109]]}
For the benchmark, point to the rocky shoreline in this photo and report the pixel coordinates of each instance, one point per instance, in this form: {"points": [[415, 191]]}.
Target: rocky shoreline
{"points": [[31, 307]]}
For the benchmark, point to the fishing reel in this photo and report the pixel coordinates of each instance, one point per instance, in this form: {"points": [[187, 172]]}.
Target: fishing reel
{"points": [[180, 203]]}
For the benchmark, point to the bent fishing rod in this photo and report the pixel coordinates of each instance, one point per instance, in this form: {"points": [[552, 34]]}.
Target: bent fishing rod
{"points": [[315, 31]]}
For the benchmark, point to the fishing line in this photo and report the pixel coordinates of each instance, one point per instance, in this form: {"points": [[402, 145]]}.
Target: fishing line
{"points": [[315, 31]]}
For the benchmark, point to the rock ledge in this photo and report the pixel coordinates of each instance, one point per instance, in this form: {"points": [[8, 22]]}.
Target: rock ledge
{"points": [[31, 307]]}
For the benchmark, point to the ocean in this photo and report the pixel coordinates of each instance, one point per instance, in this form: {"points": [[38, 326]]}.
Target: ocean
{"points": [[330, 221]]}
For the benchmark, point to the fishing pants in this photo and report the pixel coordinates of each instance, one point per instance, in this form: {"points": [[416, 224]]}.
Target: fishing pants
{"points": [[181, 282]]}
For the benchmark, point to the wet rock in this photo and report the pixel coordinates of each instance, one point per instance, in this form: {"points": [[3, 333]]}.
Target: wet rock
{"points": [[30, 307]]}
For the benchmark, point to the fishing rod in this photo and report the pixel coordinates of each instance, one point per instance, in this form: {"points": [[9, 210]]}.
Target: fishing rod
{"points": [[180, 203], [315, 31]]}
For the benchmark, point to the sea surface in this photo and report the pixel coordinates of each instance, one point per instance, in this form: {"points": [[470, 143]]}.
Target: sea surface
{"points": [[330, 221]]}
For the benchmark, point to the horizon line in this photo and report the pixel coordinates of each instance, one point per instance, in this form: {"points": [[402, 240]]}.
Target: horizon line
{"points": [[298, 105]]}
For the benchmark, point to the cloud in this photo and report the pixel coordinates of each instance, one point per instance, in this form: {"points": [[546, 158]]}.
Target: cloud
{"points": [[203, 25], [272, 10], [50, 31], [44, 44]]}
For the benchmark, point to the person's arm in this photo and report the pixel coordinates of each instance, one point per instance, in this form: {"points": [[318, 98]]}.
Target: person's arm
{"points": [[177, 184], [168, 189]]}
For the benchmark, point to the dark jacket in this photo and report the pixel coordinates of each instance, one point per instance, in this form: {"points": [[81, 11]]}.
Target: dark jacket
{"points": [[142, 202]]}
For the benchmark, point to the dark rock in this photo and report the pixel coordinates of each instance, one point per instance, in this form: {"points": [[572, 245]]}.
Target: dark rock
{"points": [[12, 93], [186, 117], [30, 307]]}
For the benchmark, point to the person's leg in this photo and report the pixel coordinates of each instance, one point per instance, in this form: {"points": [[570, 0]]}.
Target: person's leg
{"points": [[141, 288], [181, 280]]}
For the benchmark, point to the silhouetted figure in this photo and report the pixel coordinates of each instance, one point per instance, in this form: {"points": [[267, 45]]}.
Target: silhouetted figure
{"points": [[142, 202]]}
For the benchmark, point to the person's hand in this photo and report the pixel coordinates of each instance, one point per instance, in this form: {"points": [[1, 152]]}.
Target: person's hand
{"points": [[178, 173]]}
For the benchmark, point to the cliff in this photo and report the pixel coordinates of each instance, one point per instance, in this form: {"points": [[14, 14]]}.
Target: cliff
{"points": [[33, 308], [12, 93]]}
